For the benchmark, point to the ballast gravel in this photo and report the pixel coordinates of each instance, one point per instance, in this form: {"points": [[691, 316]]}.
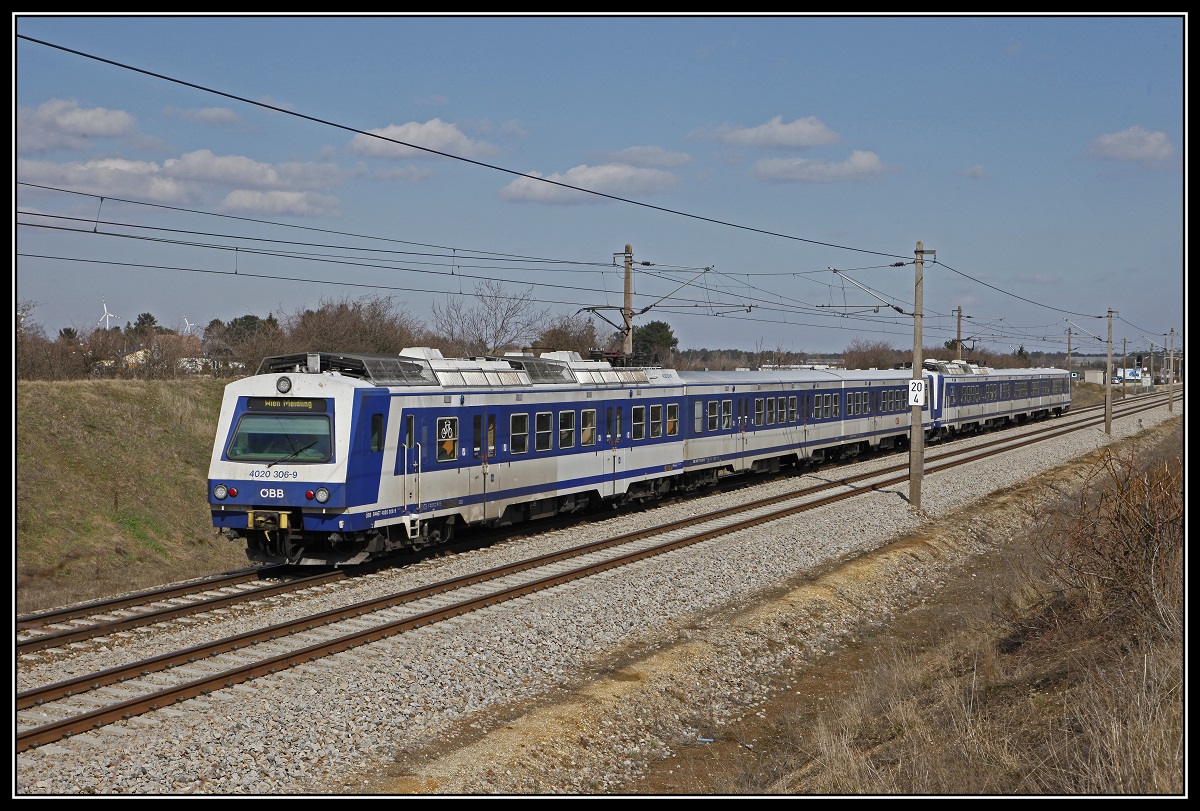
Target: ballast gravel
{"points": [[335, 725]]}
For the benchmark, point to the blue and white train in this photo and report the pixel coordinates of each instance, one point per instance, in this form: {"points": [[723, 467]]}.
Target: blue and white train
{"points": [[332, 459]]}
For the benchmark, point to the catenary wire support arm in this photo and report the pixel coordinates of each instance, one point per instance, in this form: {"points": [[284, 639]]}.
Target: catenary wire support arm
{"points": [[646, 309], [868, 291]]}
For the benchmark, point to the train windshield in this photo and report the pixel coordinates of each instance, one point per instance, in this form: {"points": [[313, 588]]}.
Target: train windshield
{"points": [[275, 438]]}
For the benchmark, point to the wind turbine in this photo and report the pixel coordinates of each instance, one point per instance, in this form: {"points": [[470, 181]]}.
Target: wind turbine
{"points": [[107, 315], [187, 326]]}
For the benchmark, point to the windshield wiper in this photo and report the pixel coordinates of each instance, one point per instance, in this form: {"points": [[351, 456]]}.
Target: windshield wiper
{"points": [[296, 452]]}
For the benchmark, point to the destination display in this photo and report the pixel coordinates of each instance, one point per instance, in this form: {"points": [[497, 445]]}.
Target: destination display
{"points": [[290, 404]]}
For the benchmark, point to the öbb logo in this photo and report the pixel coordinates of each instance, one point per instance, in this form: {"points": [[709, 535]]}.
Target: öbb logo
{"points": [[271, 492]]}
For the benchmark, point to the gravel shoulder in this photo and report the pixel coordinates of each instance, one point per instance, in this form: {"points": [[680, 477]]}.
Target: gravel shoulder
{"points": [[749, 660]]}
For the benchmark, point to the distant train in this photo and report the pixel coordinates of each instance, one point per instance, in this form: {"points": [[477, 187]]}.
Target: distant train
{"points": [[332, 459]]}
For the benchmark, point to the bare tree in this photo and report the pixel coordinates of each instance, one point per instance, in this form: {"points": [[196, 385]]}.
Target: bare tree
{"points": [[569, 333], [370, 324], [864, 354], [496, 320]]}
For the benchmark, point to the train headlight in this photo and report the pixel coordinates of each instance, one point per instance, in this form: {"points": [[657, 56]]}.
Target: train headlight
{"points": [[283, 385], [322, 495], [222, 492]]}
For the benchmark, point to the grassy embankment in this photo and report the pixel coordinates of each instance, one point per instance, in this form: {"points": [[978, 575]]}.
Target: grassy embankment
{"points": [[110, 488]]}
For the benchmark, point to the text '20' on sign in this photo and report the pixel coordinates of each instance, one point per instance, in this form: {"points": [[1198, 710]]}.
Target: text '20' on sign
{"points": [[916, 392]]}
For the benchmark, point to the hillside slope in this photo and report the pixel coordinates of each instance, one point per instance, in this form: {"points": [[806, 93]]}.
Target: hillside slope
{"points": [[109, 488]]}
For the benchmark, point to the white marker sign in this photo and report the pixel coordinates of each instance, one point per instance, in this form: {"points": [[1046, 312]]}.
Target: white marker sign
{"points": [[916, 392]]}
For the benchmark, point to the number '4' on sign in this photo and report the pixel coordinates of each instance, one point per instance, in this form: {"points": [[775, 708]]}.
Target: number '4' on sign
{"points": [[916, 392]]}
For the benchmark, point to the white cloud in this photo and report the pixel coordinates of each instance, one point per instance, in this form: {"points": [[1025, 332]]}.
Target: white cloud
{"points": [[216, 116], [236, 170], [1134, 145], [181, 180], [308, 204], [435, 134], [63, 124], [619, 180], [649, 156], [799, 134], [513, 129], [860, 165], [113, 177]]}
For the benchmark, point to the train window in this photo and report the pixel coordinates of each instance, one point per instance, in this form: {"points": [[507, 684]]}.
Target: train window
{"points": [[566, 429], [770, 411], [608, 425], [587, 427], [793, 410], [376, 433], [672, 419], [656, 425], [837, 405], [447, 439], [713, 415], [278, 437], [639, 422], [758, 411], [476, 434], [620, 421], [542, 431], [727, 414], [781, 405], [698, 418], [518, 432], [491, 436], [410, 431]]}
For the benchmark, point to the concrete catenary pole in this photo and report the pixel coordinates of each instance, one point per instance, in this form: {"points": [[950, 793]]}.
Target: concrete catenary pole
{"points": [[1108, 380], [958, 341], [916, 428], [1068, 354], [1171, 375], [627, 312]]}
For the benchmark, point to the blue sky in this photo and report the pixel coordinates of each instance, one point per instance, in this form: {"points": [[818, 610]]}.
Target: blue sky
{"points": [[767, 171]]}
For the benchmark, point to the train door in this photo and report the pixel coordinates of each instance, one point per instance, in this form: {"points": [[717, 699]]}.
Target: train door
{"points": [[615, 430], [741, 434], [874, 418], [482, 472], [409, 462]]}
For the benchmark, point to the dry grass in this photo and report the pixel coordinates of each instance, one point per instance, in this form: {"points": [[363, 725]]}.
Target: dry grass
{"points": [[110, 488], [1067, 678]]}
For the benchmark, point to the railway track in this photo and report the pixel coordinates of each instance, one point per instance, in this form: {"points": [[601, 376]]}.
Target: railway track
{"points": [[58, 710]]}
